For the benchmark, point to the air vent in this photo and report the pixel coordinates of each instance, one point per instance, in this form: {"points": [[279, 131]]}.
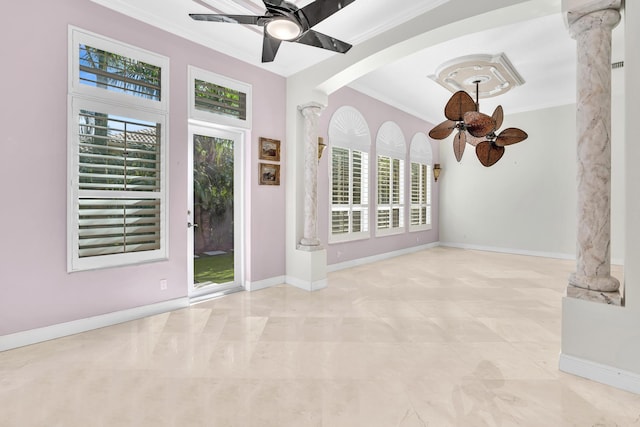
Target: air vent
{"points": [[618, 64]]}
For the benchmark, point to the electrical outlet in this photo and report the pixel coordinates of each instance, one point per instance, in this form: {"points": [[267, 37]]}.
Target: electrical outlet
{"points": [[163, 284]]}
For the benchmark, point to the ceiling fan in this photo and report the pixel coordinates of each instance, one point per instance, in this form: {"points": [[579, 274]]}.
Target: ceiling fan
{"points": [[476, 129], [284, 21]]}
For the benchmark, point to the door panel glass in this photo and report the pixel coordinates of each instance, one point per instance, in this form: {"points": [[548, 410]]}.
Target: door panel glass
{"points": [[213, 173]]}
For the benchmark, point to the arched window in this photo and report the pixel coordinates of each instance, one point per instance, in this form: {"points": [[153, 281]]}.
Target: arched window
{"points": [[421, 159], [391, 153], [350, 142]]}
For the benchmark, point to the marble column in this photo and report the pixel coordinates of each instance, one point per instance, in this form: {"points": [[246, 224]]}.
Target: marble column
{"points": [[592, 279], [311, 113]]}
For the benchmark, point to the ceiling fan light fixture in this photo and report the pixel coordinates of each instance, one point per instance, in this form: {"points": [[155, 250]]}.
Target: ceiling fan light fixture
{"points": [[283, 29]]}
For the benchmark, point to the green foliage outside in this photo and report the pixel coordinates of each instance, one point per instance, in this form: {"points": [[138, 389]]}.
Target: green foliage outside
{"points": [[213, 174]]}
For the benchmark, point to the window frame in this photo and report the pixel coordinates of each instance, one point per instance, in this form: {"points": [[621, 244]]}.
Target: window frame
{"points": [[85, 97], [351, 207], [421, 153], [79, 36], [349, 130], [390, 144]]}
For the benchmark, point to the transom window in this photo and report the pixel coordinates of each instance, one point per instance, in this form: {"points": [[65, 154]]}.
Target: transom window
{"points": [[218, 99], [117, 153], [107, 70]]}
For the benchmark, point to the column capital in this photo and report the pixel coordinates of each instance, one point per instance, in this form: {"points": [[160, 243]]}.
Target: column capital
{"points": [[311, 108], [605, 19], [576, 9]]}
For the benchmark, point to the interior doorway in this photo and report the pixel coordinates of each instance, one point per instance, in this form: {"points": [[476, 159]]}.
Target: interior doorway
{"points": [[214, 211]]}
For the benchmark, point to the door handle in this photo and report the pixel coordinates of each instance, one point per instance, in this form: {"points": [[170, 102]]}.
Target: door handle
{"points": [[189, 225]]}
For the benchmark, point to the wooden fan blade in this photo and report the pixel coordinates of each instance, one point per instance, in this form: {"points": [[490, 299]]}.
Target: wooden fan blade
{"points": [[488, 153], [459, 104], [510, 136], [459, 141], [473, 141], [443, 130], [479, 124], [498, 116]]}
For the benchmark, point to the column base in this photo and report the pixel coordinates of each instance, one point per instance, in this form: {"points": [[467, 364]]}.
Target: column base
{"points": [[594, 283], [611, 298], [312, 243]]}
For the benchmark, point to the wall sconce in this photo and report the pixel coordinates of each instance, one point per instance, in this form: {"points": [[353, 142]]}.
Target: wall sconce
{"points": [[436, 171], [321, 147]]}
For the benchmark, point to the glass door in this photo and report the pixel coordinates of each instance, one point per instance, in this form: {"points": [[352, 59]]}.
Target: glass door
{"points": [[214, 211]]}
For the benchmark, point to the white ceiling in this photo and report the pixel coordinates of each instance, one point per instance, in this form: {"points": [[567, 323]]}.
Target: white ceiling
{"points": [[540, 49]]}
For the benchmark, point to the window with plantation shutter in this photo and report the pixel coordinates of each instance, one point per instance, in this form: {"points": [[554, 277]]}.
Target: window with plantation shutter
{"points": [[349, 173], [117, 155], [218, 99], [390, 208], [421, 170]]}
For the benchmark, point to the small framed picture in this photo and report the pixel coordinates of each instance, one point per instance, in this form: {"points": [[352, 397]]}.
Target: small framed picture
{"points": [[268, 174], [269, 149]]}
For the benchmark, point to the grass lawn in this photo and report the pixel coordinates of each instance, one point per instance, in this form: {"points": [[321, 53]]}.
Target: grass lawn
{"points": [[213, 269]]}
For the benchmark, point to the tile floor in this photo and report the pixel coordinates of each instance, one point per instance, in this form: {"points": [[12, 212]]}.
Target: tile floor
{"points": [[443, 337]]}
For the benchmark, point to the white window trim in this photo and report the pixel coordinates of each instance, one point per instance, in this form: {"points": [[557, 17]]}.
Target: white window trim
{"points": [[218, 79], [82, 97], [79, 36]]}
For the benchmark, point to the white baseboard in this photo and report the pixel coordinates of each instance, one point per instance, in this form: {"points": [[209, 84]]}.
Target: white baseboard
{"points": [[513, 251], [557, 255], [604, 374], [266, 283], [33, 336], [306, 285], [380, 257]]}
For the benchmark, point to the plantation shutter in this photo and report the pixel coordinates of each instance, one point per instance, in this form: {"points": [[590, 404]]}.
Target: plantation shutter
{"points": [[360, 198], [421, 160], [340, 191], [426, 195], [384, 190], [349, 193], [118, 157], [415, 193], [110, 226], [420, 194]]}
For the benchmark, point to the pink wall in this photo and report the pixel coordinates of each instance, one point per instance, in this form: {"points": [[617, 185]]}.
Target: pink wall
{"points": [[35, 289], [375, 113]]}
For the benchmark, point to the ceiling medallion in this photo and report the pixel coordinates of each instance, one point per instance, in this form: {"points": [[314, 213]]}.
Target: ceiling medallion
{"points": [[494, 73]]}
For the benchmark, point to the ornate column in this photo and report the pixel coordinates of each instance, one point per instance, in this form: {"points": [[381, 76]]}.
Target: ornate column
{"points": [[311, 113], [591, 28]]}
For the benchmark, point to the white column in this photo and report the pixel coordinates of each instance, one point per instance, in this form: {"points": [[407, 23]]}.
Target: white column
{"points": [[592, 279], [311, 113]]}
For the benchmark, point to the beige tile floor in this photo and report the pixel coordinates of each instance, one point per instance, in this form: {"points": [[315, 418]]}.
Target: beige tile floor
{"points": [[443, 337]]}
